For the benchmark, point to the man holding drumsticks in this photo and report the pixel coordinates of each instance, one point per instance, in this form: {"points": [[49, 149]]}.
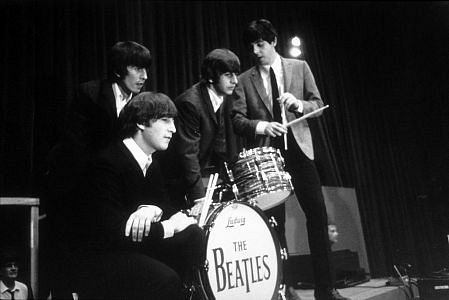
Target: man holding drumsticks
{"points": [[276, 91]]}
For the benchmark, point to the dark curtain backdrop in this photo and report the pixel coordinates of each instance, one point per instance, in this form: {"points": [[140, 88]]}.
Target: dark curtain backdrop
{"points": [[382, 68]]}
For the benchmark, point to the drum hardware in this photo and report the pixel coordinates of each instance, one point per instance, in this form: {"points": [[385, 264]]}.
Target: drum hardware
{"points": [[273, 222], [259, 175], [281, 292], [284, 254], [235, 190]]}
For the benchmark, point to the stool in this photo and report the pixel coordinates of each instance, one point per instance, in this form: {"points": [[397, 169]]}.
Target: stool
{"points": [[33, 203]]}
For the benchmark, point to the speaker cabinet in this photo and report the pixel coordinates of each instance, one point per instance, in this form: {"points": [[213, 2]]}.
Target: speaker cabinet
{"points": [[433, 288]]}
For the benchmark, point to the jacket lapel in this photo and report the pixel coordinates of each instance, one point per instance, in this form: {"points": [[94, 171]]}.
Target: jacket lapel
{"points": [[287, 67], [256, 78], [108, 100], [207, 103]]}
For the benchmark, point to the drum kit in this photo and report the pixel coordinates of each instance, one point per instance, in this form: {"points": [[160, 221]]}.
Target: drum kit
{"points": [[243, 256]]}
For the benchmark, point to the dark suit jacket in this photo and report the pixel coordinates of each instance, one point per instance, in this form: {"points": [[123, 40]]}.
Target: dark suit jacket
{"points": [[92, 121], [197, 128], [253, 104], [115, 188], [91, 124]]}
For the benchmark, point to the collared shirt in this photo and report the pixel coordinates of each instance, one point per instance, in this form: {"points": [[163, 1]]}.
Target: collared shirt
{"points": [[120, 100], [142, 159], [20, 291], [144, 162], [265, 74], [215, 99]]}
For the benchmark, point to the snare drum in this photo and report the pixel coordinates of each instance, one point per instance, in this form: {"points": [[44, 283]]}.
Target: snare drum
{"points": [[260, 177], [243, 255]]}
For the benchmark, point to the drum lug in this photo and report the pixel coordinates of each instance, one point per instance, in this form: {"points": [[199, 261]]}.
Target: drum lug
{"points": [[252, 202], [206, 266], [281, 292], [284, 254], [273, 222]]}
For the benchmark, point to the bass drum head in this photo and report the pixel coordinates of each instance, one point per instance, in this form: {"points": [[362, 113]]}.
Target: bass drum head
{"points": [[243, 255]]}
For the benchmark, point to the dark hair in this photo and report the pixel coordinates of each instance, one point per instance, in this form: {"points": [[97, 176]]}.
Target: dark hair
{"points": [[7, 254], [144, 108], [259, 30], [217, 62], [124, 54]]}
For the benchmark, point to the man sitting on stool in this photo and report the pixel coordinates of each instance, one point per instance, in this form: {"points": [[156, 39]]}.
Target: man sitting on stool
{"points": [[138, 246]]}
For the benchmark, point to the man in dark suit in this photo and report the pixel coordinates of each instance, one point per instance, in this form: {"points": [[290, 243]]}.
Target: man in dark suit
{"points": [[138, 246], [275, 91], [205, 137], [90, 126]]}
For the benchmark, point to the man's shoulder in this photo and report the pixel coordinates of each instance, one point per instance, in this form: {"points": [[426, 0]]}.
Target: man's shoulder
{"points": [[94, 87], [248, 73], [92, 84], [294, 61], [192, 94], [113, 149], [21, 286]]}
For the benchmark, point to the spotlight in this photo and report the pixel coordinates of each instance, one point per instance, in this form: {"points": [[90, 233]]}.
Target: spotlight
{"points": [[295, 52], [296, 41]]}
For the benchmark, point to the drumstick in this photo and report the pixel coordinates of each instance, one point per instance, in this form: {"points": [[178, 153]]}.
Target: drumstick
{"points": [[306, 116], [209, 184], [208, 199]]}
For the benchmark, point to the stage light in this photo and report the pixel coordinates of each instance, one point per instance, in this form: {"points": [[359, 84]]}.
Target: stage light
{"points": [[295, 48], [295, 52], [296, 41]]}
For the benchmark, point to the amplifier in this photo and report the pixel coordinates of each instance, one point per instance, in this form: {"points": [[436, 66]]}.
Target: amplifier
{"points": [[433, 288]]}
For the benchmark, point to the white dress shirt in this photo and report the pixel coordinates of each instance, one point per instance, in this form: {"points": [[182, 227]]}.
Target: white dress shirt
{"points": [[215, 99], [120, 100], [265, 74], [20, 291]]}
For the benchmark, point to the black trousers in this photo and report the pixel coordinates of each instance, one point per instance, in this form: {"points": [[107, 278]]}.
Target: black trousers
{"points": [[160, 273], [307, 185]]}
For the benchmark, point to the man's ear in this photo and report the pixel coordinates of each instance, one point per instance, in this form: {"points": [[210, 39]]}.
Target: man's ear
{"points": [[140, 126], [275, 41]]}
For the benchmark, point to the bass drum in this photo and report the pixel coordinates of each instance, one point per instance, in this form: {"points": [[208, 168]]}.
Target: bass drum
{"points": [[243, 255]]}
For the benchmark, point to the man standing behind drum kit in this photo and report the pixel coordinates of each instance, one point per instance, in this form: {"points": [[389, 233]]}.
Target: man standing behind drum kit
{"points": [[205, 137], [274, 91]]}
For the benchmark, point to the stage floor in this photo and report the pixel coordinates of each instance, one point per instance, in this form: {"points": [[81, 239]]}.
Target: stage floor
{"points": [[375, 289]]}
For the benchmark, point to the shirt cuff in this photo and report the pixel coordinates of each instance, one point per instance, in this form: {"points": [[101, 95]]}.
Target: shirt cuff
{"points": [[169, 230], [300, 107], [260, 127]]}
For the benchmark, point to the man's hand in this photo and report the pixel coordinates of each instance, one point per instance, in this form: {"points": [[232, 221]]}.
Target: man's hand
{"points": [[139, 222], [195, 211], [291, 103], [274, 129], [181, 221]]}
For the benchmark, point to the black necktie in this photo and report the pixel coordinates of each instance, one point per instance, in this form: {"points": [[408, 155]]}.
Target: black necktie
{"points": [[12, 294], [275, 96], [277, 142]]}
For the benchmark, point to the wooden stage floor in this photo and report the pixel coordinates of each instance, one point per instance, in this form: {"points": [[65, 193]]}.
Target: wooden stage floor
{"points": [[375, 289]]}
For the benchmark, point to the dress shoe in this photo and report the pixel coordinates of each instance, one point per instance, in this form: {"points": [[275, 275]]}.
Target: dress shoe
{"points": [[290, 294], [329, 294]]}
